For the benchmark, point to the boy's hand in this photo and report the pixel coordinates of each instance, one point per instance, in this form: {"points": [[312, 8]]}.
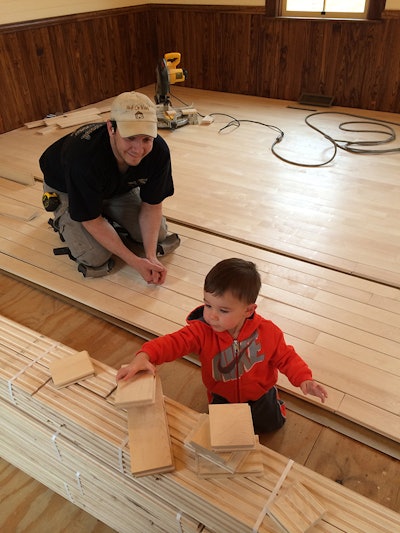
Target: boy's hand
{"points": [[141, 362], [312, 387]]}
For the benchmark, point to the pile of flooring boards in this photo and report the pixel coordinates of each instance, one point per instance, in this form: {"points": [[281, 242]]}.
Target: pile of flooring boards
{"points": [[75, 440]]}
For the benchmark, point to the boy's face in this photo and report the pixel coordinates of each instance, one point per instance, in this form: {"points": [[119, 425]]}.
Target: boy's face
{"points": [[226, 312]]}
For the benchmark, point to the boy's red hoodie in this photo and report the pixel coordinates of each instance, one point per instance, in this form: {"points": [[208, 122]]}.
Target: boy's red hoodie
{"points": [[239, 369]]}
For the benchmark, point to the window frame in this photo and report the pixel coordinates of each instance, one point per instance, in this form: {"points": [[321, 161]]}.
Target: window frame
{"points": [[273, 8]]}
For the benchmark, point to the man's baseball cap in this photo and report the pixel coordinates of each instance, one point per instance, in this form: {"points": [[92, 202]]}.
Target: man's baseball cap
{"points": [[135, 114]]}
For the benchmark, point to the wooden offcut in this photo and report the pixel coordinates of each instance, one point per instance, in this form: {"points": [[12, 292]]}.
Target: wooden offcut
{"points": [[149, 439], [139, 390], [71, 369], [297, 510], [231, 427], [230, 464], [199, 441]]}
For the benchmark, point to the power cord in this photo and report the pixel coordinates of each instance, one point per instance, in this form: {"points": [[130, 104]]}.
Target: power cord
{"points": [[349, 146], [354, 147]]}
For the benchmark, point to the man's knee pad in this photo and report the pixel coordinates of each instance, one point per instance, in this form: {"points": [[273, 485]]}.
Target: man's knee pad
{"points": [[96, 272]]}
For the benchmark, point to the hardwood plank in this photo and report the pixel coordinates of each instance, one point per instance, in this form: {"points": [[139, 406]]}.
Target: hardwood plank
{"points": [[71, 369], [231, 427], [149, 439], [17, 210], [297, 510], [139, 390]]}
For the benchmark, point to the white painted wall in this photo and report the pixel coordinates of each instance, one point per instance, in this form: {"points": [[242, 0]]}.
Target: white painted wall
{"points": [[23, 10]]}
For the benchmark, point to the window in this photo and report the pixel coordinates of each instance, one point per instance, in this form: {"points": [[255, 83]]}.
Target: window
{"points": [[326, 8]]}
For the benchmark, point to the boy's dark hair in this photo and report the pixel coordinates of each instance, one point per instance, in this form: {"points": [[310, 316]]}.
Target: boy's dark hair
{"points": [[236, 275]]}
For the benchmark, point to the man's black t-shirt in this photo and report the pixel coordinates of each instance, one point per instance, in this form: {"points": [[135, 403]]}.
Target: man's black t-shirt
{"points": [[83, 165]]}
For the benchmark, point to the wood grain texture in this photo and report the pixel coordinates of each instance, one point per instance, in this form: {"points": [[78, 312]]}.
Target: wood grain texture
{"points": [[48, 66], [139, 390], [344, 325], [85, 458], [311, 304], [149, 438], [238, 50], [72, 369], [296, 511], [231, 427], [337, 457]]}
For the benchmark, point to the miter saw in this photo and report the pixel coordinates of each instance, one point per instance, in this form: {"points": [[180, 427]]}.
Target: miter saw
{"points": [[167, 73]]}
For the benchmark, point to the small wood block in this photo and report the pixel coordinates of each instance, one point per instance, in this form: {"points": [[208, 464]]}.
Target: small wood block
{"points": [[190, 111], [296, 510], [250, 465], [67, 122], [140, 390], [79, 113], [231, 427], [199, 441], [71, 369], [46, 130], [34, 124], [149, 440]]}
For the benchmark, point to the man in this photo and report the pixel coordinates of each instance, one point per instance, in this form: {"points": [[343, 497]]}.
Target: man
{"points": [[109, 178]]}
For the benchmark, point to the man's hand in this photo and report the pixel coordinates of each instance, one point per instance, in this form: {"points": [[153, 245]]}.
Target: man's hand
{"points": [[151, 271], [312, 387], [140, 362]]}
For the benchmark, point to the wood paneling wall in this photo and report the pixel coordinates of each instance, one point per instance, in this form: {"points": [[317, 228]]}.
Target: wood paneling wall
{"points": [[65, 63], [56, 65]]}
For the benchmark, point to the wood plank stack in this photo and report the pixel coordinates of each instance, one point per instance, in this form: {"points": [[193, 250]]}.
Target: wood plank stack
{"points": [[22, 166], [75, 441], [212, 463]]}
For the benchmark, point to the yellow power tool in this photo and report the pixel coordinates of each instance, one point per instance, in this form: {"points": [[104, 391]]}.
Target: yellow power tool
{"points": [[167, 74]]}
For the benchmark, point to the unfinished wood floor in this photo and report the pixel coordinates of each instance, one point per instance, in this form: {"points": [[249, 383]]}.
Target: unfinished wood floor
{"points": [[345, 327], [30, 507], [325, 240]]}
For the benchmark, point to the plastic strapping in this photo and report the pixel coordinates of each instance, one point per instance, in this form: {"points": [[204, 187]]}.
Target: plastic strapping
{"points": [[53, 440], [16, 376], [120, 454], [78, 480], [272, 496], [178, 519], [70, 497]]}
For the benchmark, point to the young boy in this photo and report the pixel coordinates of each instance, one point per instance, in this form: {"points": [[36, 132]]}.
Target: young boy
{"points": [[240, 352]]}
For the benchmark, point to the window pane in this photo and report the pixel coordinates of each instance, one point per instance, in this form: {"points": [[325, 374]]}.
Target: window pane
{"points": [[345, 6], [304, 5], [332, 6]]}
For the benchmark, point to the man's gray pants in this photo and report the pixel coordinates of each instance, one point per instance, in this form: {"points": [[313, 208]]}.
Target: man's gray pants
{"points": [[123, 209]]}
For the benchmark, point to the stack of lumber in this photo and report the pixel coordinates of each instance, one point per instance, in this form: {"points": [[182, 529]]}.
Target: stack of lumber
{"points": [[67, 120], [211, 462], [22, 166], [75, 441]]}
